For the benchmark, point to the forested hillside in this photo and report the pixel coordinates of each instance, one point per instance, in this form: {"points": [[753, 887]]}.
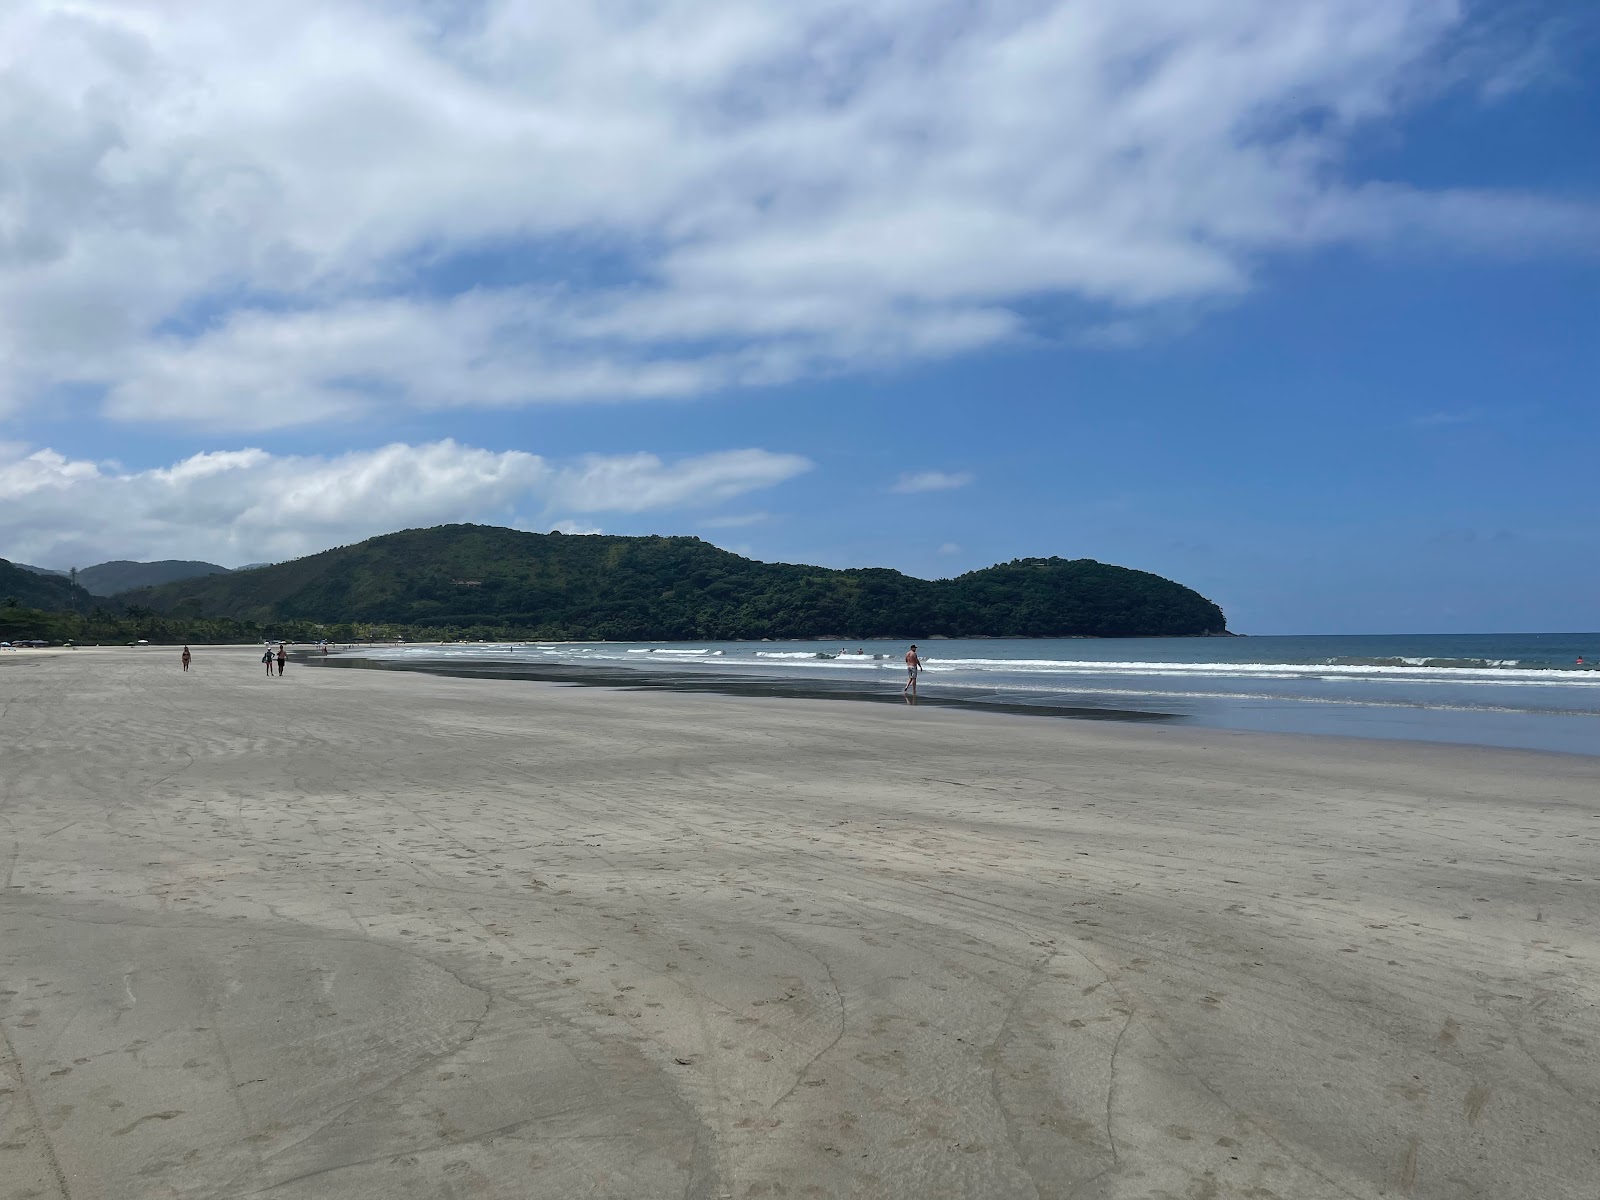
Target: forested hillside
{"points": [[22, 587], [473, 580]]}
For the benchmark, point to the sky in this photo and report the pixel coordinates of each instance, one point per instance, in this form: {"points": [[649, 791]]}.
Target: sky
{"points": [[1294, 301]]}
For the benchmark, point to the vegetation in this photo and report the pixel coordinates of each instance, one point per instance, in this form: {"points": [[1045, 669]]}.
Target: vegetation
{"points": [[101, 627], [473, 581], [22, 587]]}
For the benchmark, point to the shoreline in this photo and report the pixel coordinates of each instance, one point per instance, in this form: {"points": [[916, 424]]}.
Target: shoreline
{"points": [[626, 679], [1367, 721]]}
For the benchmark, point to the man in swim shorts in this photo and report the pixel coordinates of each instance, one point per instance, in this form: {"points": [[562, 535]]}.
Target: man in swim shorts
{"points": [[913, 666]]}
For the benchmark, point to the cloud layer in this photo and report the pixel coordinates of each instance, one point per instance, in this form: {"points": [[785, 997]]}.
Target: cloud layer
{"points": [[931, 481], [251, 215], [243, 506]]}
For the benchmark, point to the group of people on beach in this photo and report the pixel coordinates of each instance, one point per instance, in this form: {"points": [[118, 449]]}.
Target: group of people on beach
{"points": [[269, 658]]}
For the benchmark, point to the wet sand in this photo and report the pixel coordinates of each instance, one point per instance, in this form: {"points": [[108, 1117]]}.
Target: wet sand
{"points": [[374, 934]]}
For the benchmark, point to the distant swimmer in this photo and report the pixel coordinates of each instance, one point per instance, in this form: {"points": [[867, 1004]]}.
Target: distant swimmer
{"points": [[186, 657], [282, 657], [267, 658], [913, 668]]}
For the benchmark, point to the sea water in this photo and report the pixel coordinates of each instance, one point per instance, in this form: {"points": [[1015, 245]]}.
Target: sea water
{"points": [[1519, 690]]}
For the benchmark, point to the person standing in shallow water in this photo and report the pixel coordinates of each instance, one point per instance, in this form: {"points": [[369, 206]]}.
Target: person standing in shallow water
{"points": [[913, 668], [283, 656], [186, 658]]}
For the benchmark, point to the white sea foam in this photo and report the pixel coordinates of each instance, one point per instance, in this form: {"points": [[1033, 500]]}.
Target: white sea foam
{"points": [[1418, 673], [1489, 673], [1478, 672]]}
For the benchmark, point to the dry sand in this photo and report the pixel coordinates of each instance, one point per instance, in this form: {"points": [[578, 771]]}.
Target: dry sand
{"points": [[368, 934]]}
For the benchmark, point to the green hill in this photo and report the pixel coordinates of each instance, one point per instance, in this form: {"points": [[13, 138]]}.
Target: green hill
{"points": [[32, 589], [476, 580]]}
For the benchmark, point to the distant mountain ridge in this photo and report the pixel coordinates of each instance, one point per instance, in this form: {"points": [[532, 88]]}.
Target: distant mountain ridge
{"points": [[109, 578], [489, 581], [122, 575]]}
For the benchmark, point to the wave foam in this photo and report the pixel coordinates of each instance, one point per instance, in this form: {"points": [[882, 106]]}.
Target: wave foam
{"points": [[1426, 671]]}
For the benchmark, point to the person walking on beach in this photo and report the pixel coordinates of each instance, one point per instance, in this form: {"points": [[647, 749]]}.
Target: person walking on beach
{"points": [[913, 667], [186, 658], [282, 657], [267, 658]]}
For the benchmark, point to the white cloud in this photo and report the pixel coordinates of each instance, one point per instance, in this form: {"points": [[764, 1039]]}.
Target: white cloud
{"points": [[252, 215], [735, 520], [932, 481], [248, 505], [349, 358], [950, 548], [633, 483]]}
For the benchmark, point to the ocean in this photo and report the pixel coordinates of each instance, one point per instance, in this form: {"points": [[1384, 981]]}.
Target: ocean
{"points": [[1515, 690]]}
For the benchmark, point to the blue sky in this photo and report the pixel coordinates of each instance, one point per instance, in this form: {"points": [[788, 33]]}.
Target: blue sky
{"points": [[1295, 302]]}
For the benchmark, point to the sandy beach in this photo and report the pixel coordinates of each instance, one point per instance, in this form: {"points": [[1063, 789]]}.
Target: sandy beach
{"points": [[376, 934]]}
